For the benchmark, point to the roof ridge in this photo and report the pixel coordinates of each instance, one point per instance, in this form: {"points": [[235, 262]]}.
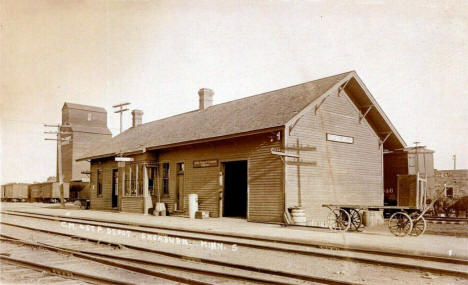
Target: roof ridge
{"points": [[244, 98]]}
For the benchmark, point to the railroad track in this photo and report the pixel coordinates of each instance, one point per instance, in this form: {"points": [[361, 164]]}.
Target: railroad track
{"points": [[447, 220], [444, 266], [182, 269], [22, 261]]}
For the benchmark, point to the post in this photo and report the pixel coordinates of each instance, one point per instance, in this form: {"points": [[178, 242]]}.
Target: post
{"points": [[121, 110], [59, 166], [59, 140], [147, 202]]}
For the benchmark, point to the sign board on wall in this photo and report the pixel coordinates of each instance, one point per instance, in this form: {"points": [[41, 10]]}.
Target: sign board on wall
{"points": [[338, 138], [118, 158], [205, 163]]}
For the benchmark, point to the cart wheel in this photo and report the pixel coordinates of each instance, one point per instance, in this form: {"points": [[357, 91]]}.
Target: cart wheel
{"points": [[400, 224], [338, 220], [356, 219], [419, 225]]}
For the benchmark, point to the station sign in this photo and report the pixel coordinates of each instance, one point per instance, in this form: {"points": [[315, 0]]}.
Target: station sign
{"points": [[117, 158], [338, 138], [205, 163]]}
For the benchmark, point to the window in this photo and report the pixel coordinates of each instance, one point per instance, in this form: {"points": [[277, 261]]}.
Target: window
{"points": [[90, 116], [99, 182], [151, 179], [165, 178], [449, 192], [139, 181], [128, 174], [180, 168]]}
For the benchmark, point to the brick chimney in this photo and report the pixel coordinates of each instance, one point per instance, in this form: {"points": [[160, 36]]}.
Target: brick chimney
{"points": [[206, 98], [137, 116]]}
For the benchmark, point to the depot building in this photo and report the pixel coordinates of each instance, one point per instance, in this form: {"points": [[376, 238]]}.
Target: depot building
{"points": [[320, 142]]}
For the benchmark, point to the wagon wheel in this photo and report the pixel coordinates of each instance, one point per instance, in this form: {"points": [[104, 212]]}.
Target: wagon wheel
{"points": [[419, 225], [356, 219], [338, 220], [400, 224]]}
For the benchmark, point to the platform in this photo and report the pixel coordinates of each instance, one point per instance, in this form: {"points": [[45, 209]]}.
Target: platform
{"points": [[370, 239]]}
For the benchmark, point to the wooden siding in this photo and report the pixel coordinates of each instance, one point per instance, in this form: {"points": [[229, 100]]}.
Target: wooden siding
{"points": [[265, 192], [16, 191], [103, 201], [344, 173], [48, 190]]}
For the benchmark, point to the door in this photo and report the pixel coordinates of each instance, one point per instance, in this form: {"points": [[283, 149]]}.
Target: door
{"points": [[115, 187], [180, 186], [235, 189]]}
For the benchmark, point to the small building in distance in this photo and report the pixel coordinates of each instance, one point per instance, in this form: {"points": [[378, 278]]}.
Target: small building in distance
{"points": [[259, 157], [87, 127], [455, 182]]}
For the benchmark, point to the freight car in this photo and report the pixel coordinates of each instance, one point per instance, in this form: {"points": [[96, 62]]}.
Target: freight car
{"points": [[15, 192], [48, 192]]}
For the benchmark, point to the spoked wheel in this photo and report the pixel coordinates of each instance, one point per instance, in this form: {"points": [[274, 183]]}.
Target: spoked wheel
{"points": [[356, 219], [419, 225], [400, 224], [338, 220]]}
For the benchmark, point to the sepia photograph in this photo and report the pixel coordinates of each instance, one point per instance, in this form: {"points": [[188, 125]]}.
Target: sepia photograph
{"points": [[234, 142]]}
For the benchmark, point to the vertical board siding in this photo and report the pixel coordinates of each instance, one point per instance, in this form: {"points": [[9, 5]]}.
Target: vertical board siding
{"points": [[265, 199], [266, 196], [344, 173], [105, 200]]}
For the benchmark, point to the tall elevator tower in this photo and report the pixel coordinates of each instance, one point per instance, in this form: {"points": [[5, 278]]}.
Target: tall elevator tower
{"points": [[87, 127]]}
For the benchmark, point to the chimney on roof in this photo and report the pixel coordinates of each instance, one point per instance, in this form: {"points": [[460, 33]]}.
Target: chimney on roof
{"points": [[206, 98], [137, 116]]}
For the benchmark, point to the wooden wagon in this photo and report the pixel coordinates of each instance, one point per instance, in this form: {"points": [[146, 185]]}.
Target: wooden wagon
{"points": [[408, 216]]}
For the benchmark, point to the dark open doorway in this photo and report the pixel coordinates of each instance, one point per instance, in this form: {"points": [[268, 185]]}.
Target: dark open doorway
{"points": [[235, 189], [115, 187]]}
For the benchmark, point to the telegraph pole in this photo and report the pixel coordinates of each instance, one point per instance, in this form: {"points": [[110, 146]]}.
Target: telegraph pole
{"points": [[121, 110], [454, 157], [59, 140]]}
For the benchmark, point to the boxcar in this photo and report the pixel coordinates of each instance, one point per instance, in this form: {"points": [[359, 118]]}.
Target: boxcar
{"points": [[48, 192], [15, 192]]}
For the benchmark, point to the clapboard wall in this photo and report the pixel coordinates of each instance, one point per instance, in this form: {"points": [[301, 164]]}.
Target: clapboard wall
{"points": [[344, 173], [265, 191], [265, 176]]}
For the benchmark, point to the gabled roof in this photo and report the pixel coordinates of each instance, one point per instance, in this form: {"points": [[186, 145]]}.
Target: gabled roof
{"points": [[83, 107], [265, 111]]}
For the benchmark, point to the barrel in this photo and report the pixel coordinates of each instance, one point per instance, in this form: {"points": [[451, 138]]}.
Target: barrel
{"points": [[193, 205], [299, 216]]}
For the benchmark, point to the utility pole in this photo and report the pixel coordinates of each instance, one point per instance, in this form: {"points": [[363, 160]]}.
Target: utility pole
{"points": [[59, 140], [416, 144], [454, 157], [121, 110]]}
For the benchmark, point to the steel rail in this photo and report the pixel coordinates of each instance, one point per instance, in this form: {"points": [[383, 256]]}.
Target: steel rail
{"points": [[104, 258], [247, 244], [61, 271], [177, 278], [372, 261]]}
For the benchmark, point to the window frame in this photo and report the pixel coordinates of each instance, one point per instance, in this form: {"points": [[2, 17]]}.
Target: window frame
{"points": [[165, 190], [99, 178]]}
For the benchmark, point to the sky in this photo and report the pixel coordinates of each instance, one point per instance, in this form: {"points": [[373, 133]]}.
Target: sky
{"points": [[412, 56]]}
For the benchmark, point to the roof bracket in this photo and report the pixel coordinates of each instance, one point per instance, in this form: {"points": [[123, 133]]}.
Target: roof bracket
{"points": [[387, 135], [362, 116], [342, 87], [320, 104], [291, 127]]}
